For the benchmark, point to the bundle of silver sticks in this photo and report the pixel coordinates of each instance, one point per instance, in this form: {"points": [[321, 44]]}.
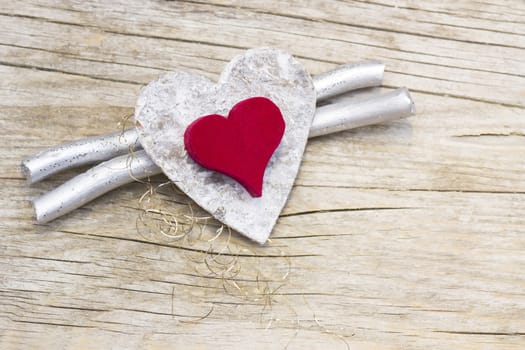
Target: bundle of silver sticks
{"points": [[126, 156]]}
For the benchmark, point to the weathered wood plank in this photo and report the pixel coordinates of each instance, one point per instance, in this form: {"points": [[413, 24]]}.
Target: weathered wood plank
{"points": [[405, 235]]}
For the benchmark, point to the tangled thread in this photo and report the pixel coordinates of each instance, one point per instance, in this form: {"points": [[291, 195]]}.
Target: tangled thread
{"points": [[167, 215]]}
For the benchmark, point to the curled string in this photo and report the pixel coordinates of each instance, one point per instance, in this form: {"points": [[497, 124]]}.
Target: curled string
{"points": [[166, 214]]}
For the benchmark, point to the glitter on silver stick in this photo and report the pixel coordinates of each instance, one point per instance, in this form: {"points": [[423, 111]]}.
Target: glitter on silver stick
{"points": [[353, 114], [348, 77], [100, 148], [92, 184], [125, 169], [74, 154]]}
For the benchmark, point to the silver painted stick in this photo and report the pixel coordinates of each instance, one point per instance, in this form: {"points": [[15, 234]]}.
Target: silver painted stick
{"points": [[348, 77], [125, 169], [353, 114], [74, 154], [100, 148], [93, 183]]}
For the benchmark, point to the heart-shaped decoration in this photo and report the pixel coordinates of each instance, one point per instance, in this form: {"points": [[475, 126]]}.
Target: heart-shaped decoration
{"points": [[241, 145], [168, 105]]}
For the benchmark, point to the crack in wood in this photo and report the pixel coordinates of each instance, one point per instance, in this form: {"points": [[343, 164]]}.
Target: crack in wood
{"points": [[362, 26], [448, 13], [512, 334], [52, 324], [196, 250], [159, 313], [439, 190], [343, 210], [53, 70], [50, 259], [73, 308], [80, 58], [495, 134], [461, 97]]}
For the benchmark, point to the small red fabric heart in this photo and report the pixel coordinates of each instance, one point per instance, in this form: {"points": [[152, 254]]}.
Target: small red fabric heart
{"points": [[240, 145]]}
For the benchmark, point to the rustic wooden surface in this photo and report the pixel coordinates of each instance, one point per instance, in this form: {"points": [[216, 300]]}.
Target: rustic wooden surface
{"points": [[404, 235]]}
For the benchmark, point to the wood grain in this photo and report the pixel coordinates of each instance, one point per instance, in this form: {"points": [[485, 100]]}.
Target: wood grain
{"points": [[398, 236]]}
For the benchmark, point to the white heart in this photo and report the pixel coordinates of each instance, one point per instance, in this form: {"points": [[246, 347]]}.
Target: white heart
{"points": [[169, 104]]}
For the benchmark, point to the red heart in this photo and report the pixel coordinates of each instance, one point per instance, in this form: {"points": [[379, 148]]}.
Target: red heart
{"points": [[241, 145]]}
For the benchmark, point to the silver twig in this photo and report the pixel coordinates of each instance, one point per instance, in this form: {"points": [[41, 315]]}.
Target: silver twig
{"points": [[353, 114], [93, 183]]}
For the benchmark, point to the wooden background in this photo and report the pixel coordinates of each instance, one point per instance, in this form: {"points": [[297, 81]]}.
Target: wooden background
{"points": [[404, 235]]}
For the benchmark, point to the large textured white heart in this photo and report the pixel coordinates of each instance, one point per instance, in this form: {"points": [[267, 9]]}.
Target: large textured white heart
{"points": [[169, 104]]}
